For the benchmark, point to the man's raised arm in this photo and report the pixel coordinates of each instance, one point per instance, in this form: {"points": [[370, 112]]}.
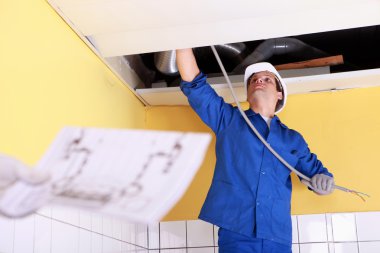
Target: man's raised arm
{"points": [[187, 64]]}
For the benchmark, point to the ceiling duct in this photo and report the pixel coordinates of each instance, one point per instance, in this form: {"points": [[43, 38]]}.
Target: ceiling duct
{"points": [[166, 63], [279, 46], [231, 51]]}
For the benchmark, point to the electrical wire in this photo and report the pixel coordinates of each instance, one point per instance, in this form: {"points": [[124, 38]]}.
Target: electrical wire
{"points": [[266, 144]]}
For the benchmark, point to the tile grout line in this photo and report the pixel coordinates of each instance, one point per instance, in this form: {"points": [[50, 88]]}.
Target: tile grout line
{"points": [[51, 232], [298, 234], [101, 224], [332, 230], [147, 237], [34, 231], [159, 237], [186, 235], [14, 234], [91, 230], [327, 233], [111, 237], [213, 236], [357, 235], [78, 232]]}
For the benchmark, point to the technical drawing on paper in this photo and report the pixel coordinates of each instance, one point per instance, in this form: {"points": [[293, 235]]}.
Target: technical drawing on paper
{"points": [[134, 173]]}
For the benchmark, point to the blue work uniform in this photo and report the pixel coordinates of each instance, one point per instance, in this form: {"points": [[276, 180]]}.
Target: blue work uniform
{"points": [[250, 193]]}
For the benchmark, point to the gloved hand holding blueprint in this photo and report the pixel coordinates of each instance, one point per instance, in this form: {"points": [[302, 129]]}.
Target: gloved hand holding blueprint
{"points": [[133, 174]]}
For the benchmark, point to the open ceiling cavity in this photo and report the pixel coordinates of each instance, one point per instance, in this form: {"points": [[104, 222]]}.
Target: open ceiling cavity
{"points": [[357, 48]]}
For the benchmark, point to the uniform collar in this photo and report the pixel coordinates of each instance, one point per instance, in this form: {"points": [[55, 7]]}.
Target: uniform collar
{"points": [[250, 112]]}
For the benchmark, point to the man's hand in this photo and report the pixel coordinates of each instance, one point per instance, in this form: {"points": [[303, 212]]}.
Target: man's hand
{"points": [[13, 171], [321, 184]]}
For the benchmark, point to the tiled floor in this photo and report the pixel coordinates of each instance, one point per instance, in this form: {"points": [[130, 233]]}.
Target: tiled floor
{"points": [[55, 231]]}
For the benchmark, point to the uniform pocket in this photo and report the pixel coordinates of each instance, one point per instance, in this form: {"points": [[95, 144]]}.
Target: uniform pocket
{"points": [[281, 219], [228, 204]]}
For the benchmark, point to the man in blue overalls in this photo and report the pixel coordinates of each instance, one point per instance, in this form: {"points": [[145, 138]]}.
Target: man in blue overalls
{"points": [[249, 198]]}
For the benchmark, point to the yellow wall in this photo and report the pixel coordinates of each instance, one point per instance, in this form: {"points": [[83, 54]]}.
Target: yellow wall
{"points": [[343, 128], [49, 78]]}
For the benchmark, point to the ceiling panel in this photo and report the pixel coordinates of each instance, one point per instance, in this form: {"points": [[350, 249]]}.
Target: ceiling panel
{"points": [[295, 85], [131, 26]]}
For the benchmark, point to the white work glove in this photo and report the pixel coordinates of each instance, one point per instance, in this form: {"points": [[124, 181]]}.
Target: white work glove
{"points": [[13, 171], [320, 184]]}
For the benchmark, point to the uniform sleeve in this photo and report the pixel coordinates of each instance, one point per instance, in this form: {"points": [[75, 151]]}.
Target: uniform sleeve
{"points": [[209, 106], [308, 163]]}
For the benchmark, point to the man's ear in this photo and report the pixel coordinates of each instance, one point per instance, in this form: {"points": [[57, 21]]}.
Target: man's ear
{"points": [[279, 95]]}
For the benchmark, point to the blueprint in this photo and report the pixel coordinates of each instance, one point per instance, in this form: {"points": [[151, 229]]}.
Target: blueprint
{"points": [[138, 175]]}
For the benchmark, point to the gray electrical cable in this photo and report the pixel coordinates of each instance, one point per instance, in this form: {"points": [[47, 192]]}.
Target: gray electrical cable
{"points": [[266, 144]]}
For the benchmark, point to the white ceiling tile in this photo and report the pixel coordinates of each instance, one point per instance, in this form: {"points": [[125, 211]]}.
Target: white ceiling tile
{"points": [[132, 27]]}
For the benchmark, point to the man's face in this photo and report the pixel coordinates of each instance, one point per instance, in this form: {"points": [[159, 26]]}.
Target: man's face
{"points": [[263, 84]]}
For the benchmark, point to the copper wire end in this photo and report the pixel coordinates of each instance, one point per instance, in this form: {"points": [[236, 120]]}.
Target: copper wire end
{"points": [[360, 195]]}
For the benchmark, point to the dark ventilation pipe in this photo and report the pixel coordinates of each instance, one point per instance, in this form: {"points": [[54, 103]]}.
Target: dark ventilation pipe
{"points": [[166, 63], [280, 46], [231, 51], [136, 63]]}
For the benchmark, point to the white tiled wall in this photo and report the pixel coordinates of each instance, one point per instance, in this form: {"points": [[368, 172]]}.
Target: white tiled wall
{"points": [[295, 248], [154, 236], [173, 234], [345, 247], [199, 234], [314, 248], [84, 241], [23, 242], [312, 228], [42, 235], [96, 243], [7, 228], [56, 230], [53, 231], [368, 226], [344, 227], [369, 247], [295, 229]]}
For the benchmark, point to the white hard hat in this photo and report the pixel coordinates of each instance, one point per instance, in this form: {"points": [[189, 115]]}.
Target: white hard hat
{"points": [[265, 66]]}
